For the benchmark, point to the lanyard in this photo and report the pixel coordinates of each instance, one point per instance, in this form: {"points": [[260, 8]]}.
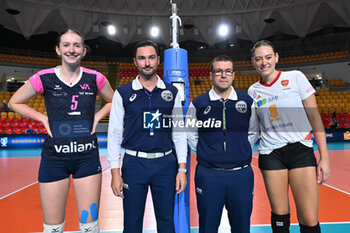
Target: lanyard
{"points": [[224, 122], [149, 94]]}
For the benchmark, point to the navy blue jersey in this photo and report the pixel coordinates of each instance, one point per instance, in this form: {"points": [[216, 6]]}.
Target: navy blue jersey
{"points": [[142, 132], [71, 109], [223, 145]]}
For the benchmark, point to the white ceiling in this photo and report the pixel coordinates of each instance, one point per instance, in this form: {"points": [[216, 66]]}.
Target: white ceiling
{"points": [[244, 17]]}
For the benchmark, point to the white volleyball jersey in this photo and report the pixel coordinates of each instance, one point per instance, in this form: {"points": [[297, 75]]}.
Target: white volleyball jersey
{"points": [[281, 112]]}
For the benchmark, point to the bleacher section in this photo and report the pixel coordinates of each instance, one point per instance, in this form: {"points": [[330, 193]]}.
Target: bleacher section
{"points": [[329, 101]]}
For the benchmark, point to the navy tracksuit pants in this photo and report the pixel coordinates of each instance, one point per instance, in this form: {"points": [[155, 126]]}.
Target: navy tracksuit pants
{"points": [[138, 175], [232, 189]]}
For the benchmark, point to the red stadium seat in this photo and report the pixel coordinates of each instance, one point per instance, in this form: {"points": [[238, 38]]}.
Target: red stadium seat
{"points": [[43, 130], [18, 131], [25, 125], [16, 125], [19, 120], [11, 120], [9, 131], [8, 125], [40, 126], [33, 125]]}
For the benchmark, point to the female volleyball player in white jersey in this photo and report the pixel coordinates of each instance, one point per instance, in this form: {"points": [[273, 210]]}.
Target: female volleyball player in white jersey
{"points": [[287, 110], [70, 148]]}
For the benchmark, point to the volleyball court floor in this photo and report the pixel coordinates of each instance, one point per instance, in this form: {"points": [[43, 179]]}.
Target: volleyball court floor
{"points": [[20, 209]]}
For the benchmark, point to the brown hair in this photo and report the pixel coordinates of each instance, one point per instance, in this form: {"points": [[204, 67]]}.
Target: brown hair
{"points": [[262, 43], [220, 58]]}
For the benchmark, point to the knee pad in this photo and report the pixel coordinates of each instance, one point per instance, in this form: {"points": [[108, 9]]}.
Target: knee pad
{"points": [[90, 227], [54, 228], [308, 229], [280, 223]]}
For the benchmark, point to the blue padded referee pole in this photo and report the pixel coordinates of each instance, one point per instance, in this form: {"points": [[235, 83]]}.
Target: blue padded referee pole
{"points": [[175, 72]]}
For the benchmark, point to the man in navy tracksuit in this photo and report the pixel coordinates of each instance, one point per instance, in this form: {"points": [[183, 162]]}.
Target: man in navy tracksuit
{"points": [[223, 119], [149, 160]]}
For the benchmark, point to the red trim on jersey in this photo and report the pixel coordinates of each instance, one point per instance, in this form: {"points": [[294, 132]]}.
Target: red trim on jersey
{"points": [[275, 80]]}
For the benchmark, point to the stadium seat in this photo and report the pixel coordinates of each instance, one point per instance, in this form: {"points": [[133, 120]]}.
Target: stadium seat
{"points": [[18, 131], [16, 125], [19, 120], [9, 131]]}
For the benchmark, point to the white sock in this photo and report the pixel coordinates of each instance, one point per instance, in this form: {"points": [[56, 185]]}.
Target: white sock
{"points": [[90, 227], [54, 228]]}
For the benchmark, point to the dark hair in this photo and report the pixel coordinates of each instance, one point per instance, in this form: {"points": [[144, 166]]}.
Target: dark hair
{"points": [[262, 43], [144, 43], [70, 30], [220, 58]]}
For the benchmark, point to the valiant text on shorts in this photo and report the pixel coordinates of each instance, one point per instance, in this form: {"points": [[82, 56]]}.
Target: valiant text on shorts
{"points": [[73, 147]]}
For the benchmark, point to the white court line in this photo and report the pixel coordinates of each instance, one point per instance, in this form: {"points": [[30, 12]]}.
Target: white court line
{"points": [[18, 190], [330, 186]]}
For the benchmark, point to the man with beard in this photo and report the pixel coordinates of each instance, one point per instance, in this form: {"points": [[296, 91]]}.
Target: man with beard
{"points": [[149, 159], [223, 175]]}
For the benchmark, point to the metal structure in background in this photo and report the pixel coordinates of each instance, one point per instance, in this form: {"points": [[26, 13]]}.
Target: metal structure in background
{"points": [[175, 72]]}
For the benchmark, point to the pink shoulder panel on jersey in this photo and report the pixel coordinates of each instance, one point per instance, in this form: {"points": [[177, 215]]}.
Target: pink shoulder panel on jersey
{"points": [[36, 81], [100, 78]]}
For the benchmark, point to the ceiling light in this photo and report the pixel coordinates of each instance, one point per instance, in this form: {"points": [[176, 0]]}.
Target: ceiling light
{"points": [[154, 31], [223, 30], [111, 30]]}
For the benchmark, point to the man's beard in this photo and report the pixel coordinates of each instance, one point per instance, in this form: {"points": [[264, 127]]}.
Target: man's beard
{"points": [[148, 76]]}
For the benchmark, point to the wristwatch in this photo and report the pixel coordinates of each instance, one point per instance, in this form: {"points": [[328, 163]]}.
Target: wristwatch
{"points": [[182, 170]]}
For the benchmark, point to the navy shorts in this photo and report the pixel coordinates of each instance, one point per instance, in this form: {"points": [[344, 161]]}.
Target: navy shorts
{"points": [[54, 170], [293, 155]]}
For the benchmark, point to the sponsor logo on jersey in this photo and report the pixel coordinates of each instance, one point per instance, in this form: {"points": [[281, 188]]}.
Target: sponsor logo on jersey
{"points": [[59, 94], [272, 98], [85, 93], [241, 106], [132, 97], [207, 110], [285, 82], [310, 89], [85, 87], [199, 191], [77, 113], [261, 102], [57, 87], [74, 147], [167, 95], [254, 94]]}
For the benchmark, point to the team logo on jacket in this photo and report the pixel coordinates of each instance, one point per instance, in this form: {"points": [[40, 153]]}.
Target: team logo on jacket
{"points": [[284, 82], [207, 110], [132, 97], [167, 95], [241, 106]]}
